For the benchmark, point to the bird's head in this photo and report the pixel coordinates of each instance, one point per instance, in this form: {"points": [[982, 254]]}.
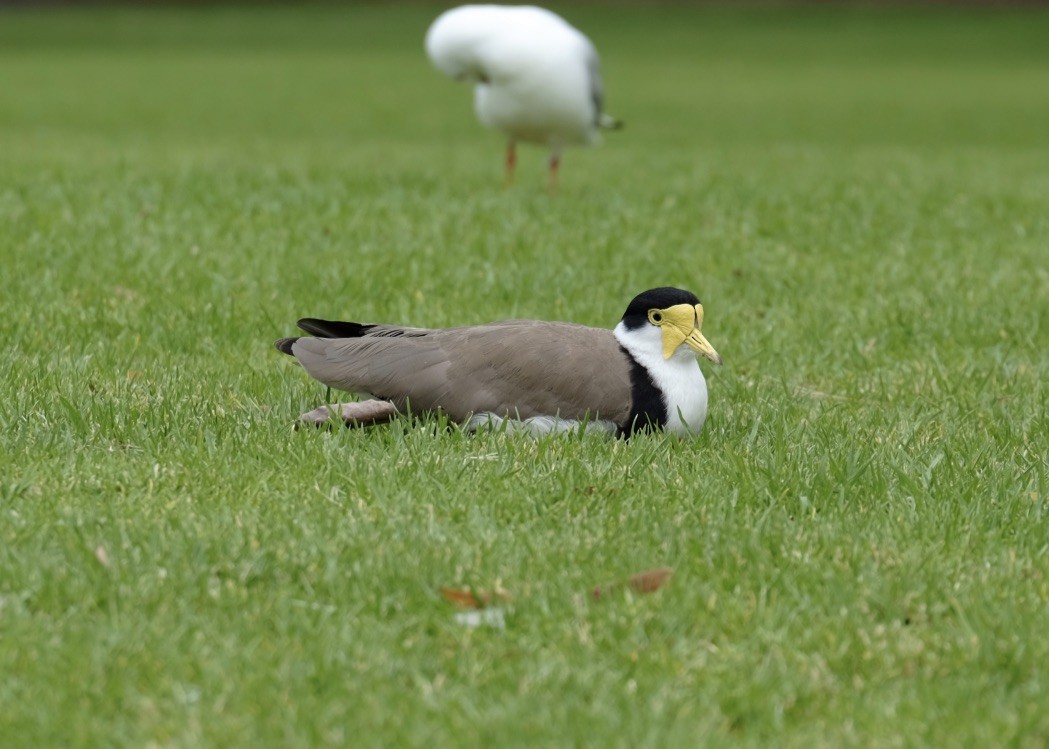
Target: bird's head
{"points": [[671, 316], [455, 41]]}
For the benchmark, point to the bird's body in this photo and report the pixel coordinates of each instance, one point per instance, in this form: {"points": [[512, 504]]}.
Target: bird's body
{"points": [[624, 379], [537, 78]]}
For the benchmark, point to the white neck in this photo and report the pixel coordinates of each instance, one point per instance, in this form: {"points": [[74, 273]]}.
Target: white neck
{"points": [[678, 378]]}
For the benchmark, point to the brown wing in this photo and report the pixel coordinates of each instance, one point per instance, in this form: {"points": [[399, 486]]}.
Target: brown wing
{"points": [[519, 368]]}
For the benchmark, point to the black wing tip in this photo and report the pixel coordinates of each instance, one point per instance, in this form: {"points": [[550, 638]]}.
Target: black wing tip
{"points": [[332, 328], [322, 329], [284, 345]]}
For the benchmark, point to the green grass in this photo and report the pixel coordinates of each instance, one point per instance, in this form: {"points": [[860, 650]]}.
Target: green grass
{"points": [[859, 536]]}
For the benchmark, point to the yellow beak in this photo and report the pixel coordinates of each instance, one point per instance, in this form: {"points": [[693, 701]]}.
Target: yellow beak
{"points": [[681, 324]]}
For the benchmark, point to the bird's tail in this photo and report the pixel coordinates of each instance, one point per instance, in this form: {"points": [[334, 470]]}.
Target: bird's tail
{"points": [[333, 328], [324, 329], [608, 122], [284, 345]]}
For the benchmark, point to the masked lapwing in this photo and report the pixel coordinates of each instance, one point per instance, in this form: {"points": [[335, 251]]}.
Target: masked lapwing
{"points": [[536, 78], [549, 376]]}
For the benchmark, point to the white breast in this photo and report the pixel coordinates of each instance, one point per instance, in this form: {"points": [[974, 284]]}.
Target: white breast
{"points": [[678, 378]]}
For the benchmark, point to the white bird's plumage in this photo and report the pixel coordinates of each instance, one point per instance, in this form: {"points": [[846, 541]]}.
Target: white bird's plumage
{"points": [[540, 425], [537, 79]]}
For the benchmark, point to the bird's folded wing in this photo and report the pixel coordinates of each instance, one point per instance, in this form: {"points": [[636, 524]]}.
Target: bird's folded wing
{"points": [[392, 368], [519, 368]]}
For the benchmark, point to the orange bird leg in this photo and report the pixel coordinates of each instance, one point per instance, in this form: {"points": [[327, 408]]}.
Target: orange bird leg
{"points": [[555, 162], [511, 162]]}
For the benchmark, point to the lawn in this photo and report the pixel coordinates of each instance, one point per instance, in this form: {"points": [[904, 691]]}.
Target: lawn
{"points": [[859, 538]]}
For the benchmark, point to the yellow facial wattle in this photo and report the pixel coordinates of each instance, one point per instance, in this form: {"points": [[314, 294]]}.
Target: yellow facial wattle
{"points": [[682, 323]]}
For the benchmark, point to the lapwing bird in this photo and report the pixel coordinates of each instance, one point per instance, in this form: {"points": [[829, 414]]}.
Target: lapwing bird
{"points": [[546, 376], [536, 78]]}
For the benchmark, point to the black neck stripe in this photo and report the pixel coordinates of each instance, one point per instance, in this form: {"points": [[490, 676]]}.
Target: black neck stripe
{"points": [[648, 410]]}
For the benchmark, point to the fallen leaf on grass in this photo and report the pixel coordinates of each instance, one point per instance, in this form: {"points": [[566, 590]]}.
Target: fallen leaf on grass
{"points": [[464, 598], [642, 582], [467, 599]]}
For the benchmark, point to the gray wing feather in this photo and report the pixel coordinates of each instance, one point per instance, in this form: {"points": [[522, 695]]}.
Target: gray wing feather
{"points": [[394, 369], [518, 368], [597, 89]]}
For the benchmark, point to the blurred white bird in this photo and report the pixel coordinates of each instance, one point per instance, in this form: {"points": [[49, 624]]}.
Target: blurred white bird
{"points": [[537, 78]]}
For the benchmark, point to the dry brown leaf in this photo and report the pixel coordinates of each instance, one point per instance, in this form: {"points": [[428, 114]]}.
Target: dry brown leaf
{"points": [[468, 599], [646, 582], [464, 598], [642, 582]]}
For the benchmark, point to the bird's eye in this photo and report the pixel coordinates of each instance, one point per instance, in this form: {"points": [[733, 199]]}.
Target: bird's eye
{"points": [[655, 316]]}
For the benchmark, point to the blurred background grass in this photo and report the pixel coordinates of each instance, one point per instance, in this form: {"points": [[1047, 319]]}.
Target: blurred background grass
{"points": [[857, 193]]}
